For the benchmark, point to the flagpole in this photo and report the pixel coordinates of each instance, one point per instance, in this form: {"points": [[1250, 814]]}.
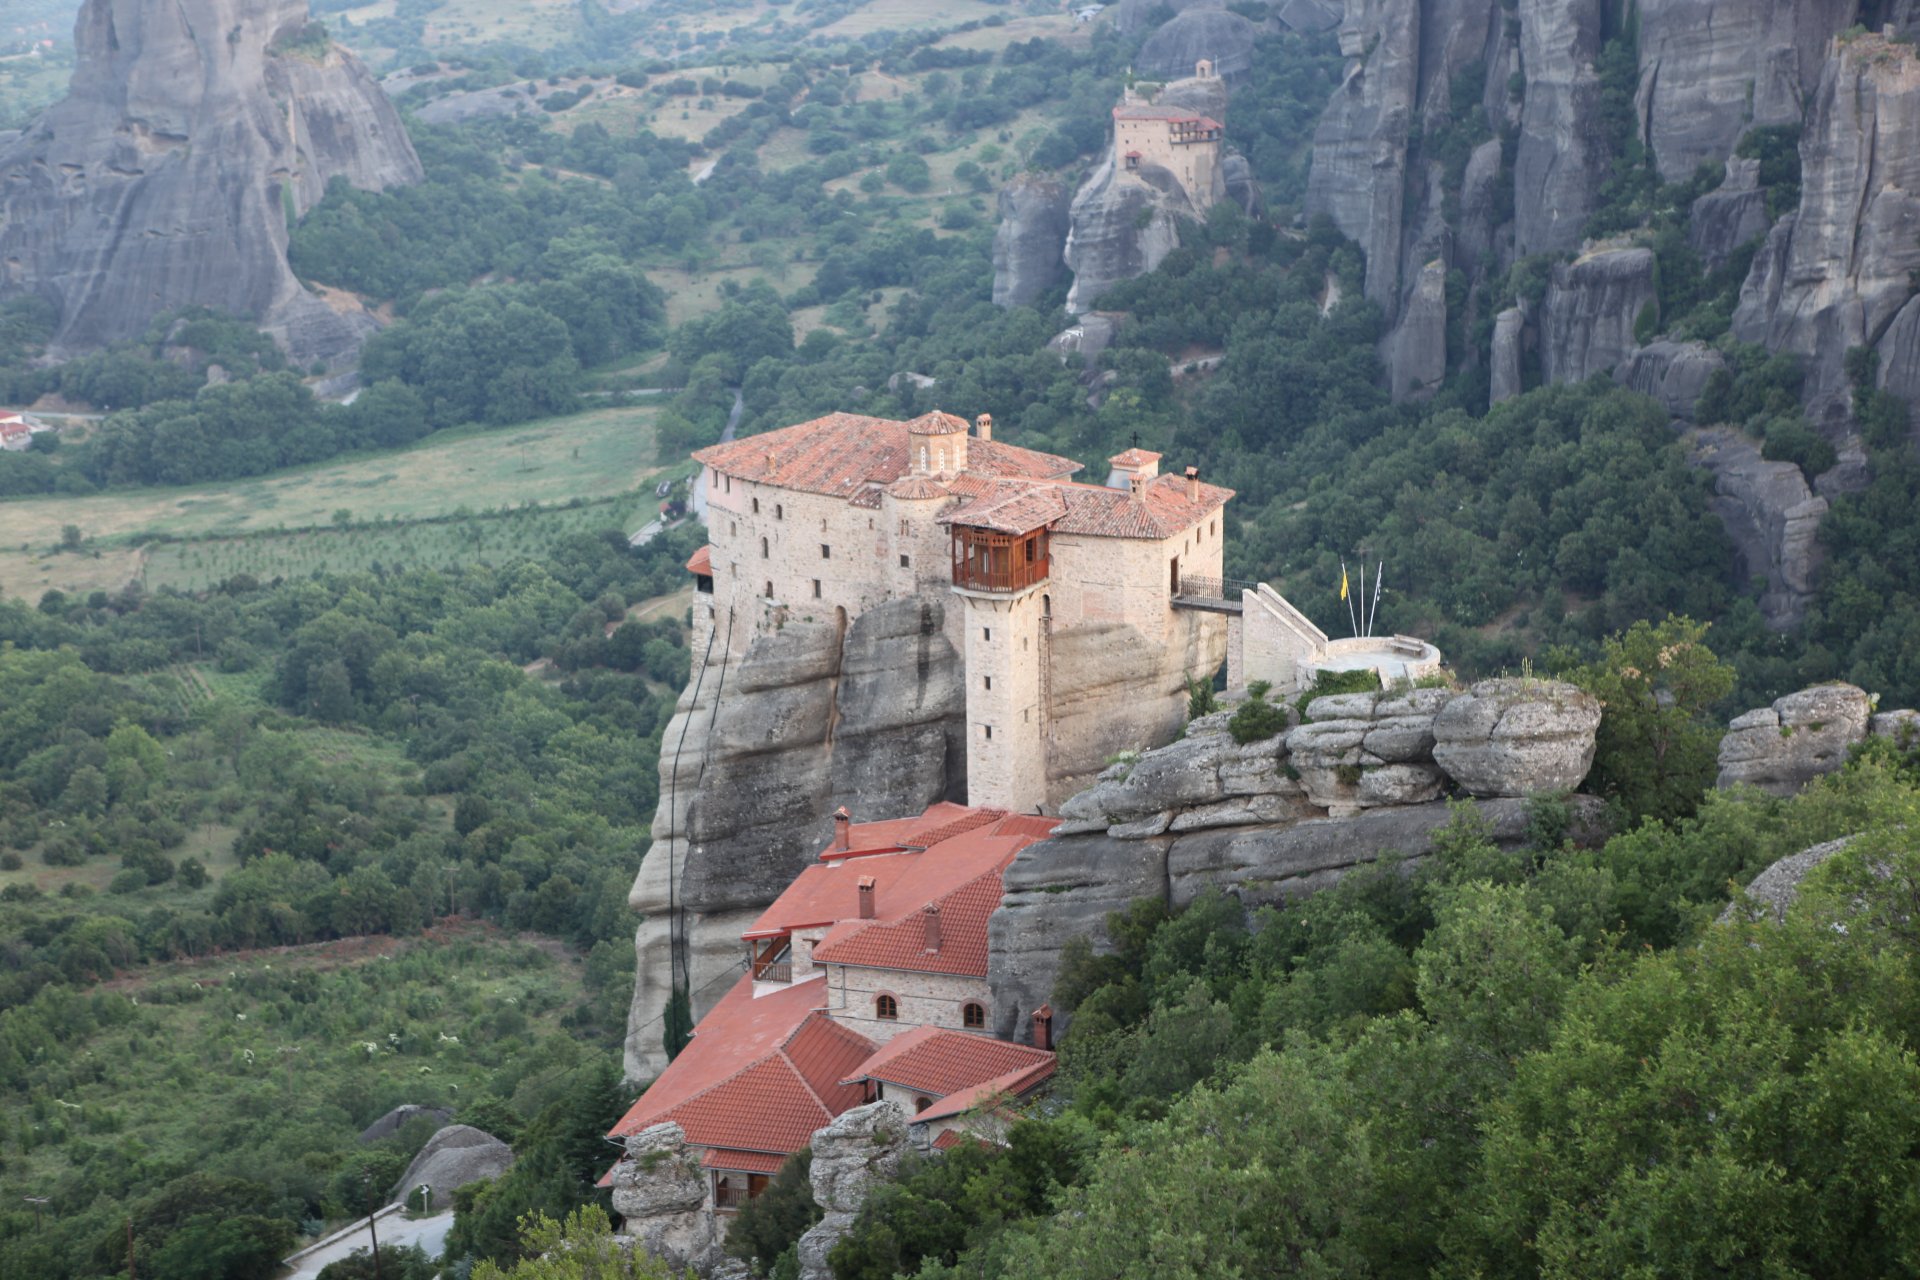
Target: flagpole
{"points": [[1379, 572], [1348, 597], [1363, 599]]}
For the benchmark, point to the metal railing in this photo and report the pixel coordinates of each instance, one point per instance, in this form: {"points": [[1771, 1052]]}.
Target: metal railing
{"points": [[1198, 586]]}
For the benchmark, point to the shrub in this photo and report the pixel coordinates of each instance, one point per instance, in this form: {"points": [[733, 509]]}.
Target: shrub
{"points": [[1257, 719], [1327, 683]]}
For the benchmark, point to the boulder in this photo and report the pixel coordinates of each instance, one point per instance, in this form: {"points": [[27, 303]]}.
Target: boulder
{"points": [[1775, 889], [1674, 373], [861, 1147], [1772, 517], [1902, 727], [455, 1156], [1592, 306], [1729, 216], [1365, 750], [1196, 33], [1028, 243], [1781, 748], [662, 1193], [192, 134], [1517, 737], [389, 1124]]}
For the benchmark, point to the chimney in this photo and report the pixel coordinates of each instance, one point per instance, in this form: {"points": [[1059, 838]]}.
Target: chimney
{"points": [[1137, 489], [931, 914], [772, 466], [866, 897], [984, 426], [1193, 484], [842, 830], [1043, 1027]]}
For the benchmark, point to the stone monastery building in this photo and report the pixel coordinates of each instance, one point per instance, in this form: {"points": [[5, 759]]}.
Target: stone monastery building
{"points": [[1068, 626], [1183, 142], [865, 981]]}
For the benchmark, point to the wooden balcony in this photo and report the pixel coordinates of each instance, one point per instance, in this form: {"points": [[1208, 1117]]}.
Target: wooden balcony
{"points": [[999, 563], [771, 959]]}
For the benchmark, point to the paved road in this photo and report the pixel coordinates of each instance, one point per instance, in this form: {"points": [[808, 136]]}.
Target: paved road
{"points": [[429, 1233]]}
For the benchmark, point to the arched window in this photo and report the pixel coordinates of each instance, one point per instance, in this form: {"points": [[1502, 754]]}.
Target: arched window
{"points": [[886, 1008], [763, 548], [921, 1104], [973, 1015]]}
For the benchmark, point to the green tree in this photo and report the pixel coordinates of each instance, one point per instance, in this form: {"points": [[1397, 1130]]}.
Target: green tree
{"points": [[581, 1247]]}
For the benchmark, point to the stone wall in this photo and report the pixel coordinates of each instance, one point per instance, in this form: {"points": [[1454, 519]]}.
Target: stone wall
{"points": [[929, 999]]}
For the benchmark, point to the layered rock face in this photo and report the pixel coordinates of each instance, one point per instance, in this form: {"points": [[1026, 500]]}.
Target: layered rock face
{"points": [[193, 132], [1556, 170], [1836, 273], [1026, 244], [1781, 748], [860, 1148], [1363, 776], [1201, 31], [1591, 307], [1674, 373], [1122, 228], [661, 1192], [753, 764], [1772, 516]]}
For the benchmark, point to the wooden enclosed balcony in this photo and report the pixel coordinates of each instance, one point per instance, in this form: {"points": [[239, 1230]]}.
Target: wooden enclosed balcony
{"points": [[771, 959], [1000, 563]]}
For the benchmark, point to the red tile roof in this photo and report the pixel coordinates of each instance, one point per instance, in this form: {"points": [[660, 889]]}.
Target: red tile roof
{"points": [[701, 562], [942, 1062], [901, 942], [742, 1161], [936, 424], [758, 1075], [1013, 1084], [845, 454], [1135, 457], [1161, 510]]}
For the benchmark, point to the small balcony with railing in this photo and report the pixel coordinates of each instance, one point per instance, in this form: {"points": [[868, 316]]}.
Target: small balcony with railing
{"points": [[771, 960], [995, 563]]}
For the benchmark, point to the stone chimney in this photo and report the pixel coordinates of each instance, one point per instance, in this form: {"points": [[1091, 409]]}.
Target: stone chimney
{"points": [[1193, 484], [866, 898], [1137, 490], [1131, 467], [931, 914], [983, 426], [842, 830], [1043, 1027]]}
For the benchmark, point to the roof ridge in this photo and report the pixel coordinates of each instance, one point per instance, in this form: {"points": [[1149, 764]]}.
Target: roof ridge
{"points": [[778, 1058]]}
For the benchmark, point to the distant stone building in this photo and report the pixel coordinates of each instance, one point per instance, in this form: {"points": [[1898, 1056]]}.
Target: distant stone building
{"points": [[1061, 584], [1181, 141], [17, 430]]}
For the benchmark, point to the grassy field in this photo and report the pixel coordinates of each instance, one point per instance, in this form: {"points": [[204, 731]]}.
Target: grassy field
{"points": [[604, 453], [489, 539]]}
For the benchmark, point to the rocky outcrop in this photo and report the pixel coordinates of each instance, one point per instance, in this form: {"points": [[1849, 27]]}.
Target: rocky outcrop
{"points": [[1509, 353], [1730, 216], [1028, 241], [1065, 887], [192, 132], [1122, 227], [1242, 187], [1712, 69], [1086, 337], [1674, 373], [1835, 274], [1771, 516], [392, 1122], [1781, 748], [1592, 304], [1559, 164], [809, 720], [661, 1192], [861, 1147], [1200, 32], [1517, 737], [454, 1157], [1773, 892], [1415, 353]]}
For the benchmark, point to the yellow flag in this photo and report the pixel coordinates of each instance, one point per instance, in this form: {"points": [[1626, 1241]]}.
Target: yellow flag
{"points": [[1343, 582]]}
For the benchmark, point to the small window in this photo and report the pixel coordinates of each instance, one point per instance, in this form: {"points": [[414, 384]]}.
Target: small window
{"points": [[733, 526], [986, 634], [973, 1015], [826, 552], [763, 548], [816, 588], [779, 512], [987, 681], [989, 729], [756, 506], [769, 591], [729, 484], [903, 562], [886, 1008]]}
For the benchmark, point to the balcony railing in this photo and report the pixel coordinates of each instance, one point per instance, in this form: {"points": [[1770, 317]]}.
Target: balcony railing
{"points": [[1197, 586], [1003, 563], [774, 971], [771, 959], [729, 1197]]}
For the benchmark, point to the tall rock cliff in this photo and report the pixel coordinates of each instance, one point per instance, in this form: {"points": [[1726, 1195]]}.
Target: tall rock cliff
{"points": [[753, 764], [193, 133], [1027, 242]]}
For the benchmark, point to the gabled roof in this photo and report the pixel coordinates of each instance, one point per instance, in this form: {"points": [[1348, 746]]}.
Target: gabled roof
{"points": [[900, 942], [701, 562], [844, 455], [1161, 510], [945, 1063], [1013, 1084], [759, 1074]]}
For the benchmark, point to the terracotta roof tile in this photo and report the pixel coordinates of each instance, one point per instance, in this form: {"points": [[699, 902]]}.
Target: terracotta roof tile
{"points": [[847, 455], [936, 424], [912, 488], [943, 1062], [1012, 1084], [701, 562], [1161, 511], [901, 943], [742, 1161], [1135, 457]]}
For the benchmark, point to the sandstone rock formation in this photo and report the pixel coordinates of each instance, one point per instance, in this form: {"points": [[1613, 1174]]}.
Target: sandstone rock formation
{"points": [[859, 1148], [1122, 228], [1592, 304], [389, 1124], [1360, 777], [193, 132], [1730, 215], [1674, 373], [455, 1156], [1509, 353], [1781, 748], [1415, 353], [1774, 890], [1712, 69], [1200, 32], [1836, 273], [755, 761], [1557, 170], [661, 1191], [1027, 243], [1772, 517]]}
